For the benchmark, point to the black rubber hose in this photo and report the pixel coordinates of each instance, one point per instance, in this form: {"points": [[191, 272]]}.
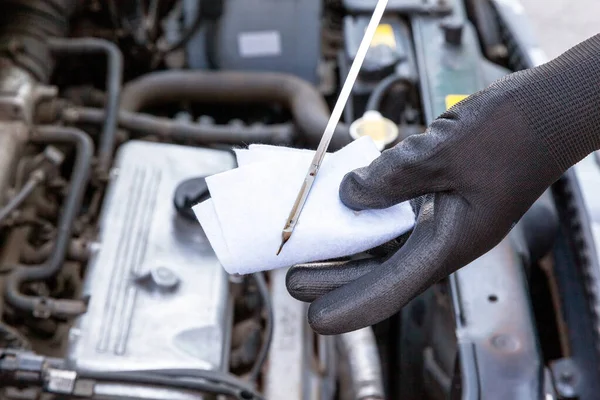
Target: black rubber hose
{"points": [[263, 290], [114, 77], [279, 134], [209, 375], [382, 88], [169, 382], [306, 104], [43, 307]]}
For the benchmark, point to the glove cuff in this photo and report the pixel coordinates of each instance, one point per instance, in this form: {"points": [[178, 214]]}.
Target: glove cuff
{"points": [[561, 102]]}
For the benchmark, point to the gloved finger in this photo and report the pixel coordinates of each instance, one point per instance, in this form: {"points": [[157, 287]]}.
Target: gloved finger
{"points": [[306, 282], [388, 248], [429, 254], [408, 170]]}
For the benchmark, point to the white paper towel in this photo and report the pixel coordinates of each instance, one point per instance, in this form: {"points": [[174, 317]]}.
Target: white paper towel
{"points": [[249, 205]]}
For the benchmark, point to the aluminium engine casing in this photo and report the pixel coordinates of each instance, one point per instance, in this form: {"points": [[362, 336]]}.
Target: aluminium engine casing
{"points": [[158, 296]]}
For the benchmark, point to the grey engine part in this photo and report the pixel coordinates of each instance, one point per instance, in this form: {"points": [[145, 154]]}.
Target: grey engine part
{"points": [[260, 35], [159, 298]]}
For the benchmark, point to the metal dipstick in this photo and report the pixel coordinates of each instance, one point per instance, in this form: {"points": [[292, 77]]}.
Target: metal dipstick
{"points": [[292, 220]]}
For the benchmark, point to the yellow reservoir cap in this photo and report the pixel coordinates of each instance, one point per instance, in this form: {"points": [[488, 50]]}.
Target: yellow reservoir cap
{"points": [[384, 35], [377, 127]]}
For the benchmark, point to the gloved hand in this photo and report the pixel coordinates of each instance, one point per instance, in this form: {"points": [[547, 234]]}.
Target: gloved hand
{"points": [[480, 165]]}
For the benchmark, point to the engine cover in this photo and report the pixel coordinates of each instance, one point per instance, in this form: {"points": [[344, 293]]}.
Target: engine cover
{"points": [[159, 297], [260, 35]]}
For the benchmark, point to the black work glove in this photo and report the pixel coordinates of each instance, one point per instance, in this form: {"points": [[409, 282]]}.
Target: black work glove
{"points": [[481, 165]]}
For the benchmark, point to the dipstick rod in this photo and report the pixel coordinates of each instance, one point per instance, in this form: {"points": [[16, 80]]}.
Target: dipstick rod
{"points": [[292, 220]]}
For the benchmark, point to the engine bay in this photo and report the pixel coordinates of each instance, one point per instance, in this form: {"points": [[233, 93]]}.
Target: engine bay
{"points": [[112, 113]]}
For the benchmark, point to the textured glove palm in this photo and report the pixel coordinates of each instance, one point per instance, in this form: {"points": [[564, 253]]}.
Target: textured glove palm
{"points": [[479, 167]]}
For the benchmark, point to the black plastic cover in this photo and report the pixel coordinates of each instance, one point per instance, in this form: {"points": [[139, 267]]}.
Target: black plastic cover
{"points": [[189, 193]]}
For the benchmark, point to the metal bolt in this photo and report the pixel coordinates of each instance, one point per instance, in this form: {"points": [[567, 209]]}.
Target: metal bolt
{"points": [[54, 155], [164, 278], [566, 376]]}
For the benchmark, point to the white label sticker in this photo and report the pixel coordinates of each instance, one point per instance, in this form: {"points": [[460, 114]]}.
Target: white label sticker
{"points": [[259, 44]]}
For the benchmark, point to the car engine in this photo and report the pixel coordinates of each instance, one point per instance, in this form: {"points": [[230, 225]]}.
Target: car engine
{"points": [[112, 113]]}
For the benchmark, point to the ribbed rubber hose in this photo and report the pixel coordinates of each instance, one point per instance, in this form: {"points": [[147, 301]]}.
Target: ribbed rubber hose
{"points": [[307, 105], [25, 25]]}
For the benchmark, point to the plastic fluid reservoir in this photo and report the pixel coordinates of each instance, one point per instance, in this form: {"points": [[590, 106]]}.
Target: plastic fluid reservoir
{"points": [[373, 124]]}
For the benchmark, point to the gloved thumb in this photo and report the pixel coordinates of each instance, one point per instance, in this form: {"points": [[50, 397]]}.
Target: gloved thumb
{"points": [[408, 170]]}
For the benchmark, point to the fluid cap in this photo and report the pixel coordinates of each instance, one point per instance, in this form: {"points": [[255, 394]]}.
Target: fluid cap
{"points": [[189, 193], [158, 278], [452, 31], [373, 124], [380, 62]]}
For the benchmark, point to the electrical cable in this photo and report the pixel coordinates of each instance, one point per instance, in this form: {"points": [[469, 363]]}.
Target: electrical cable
{"points": [[263, 290], [169, 382], [209, 375], [20, 197], [150, 379], [187, 35]]}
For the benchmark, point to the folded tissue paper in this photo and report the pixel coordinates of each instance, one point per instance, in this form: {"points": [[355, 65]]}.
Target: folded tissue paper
{"points": [[249, 205]]}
